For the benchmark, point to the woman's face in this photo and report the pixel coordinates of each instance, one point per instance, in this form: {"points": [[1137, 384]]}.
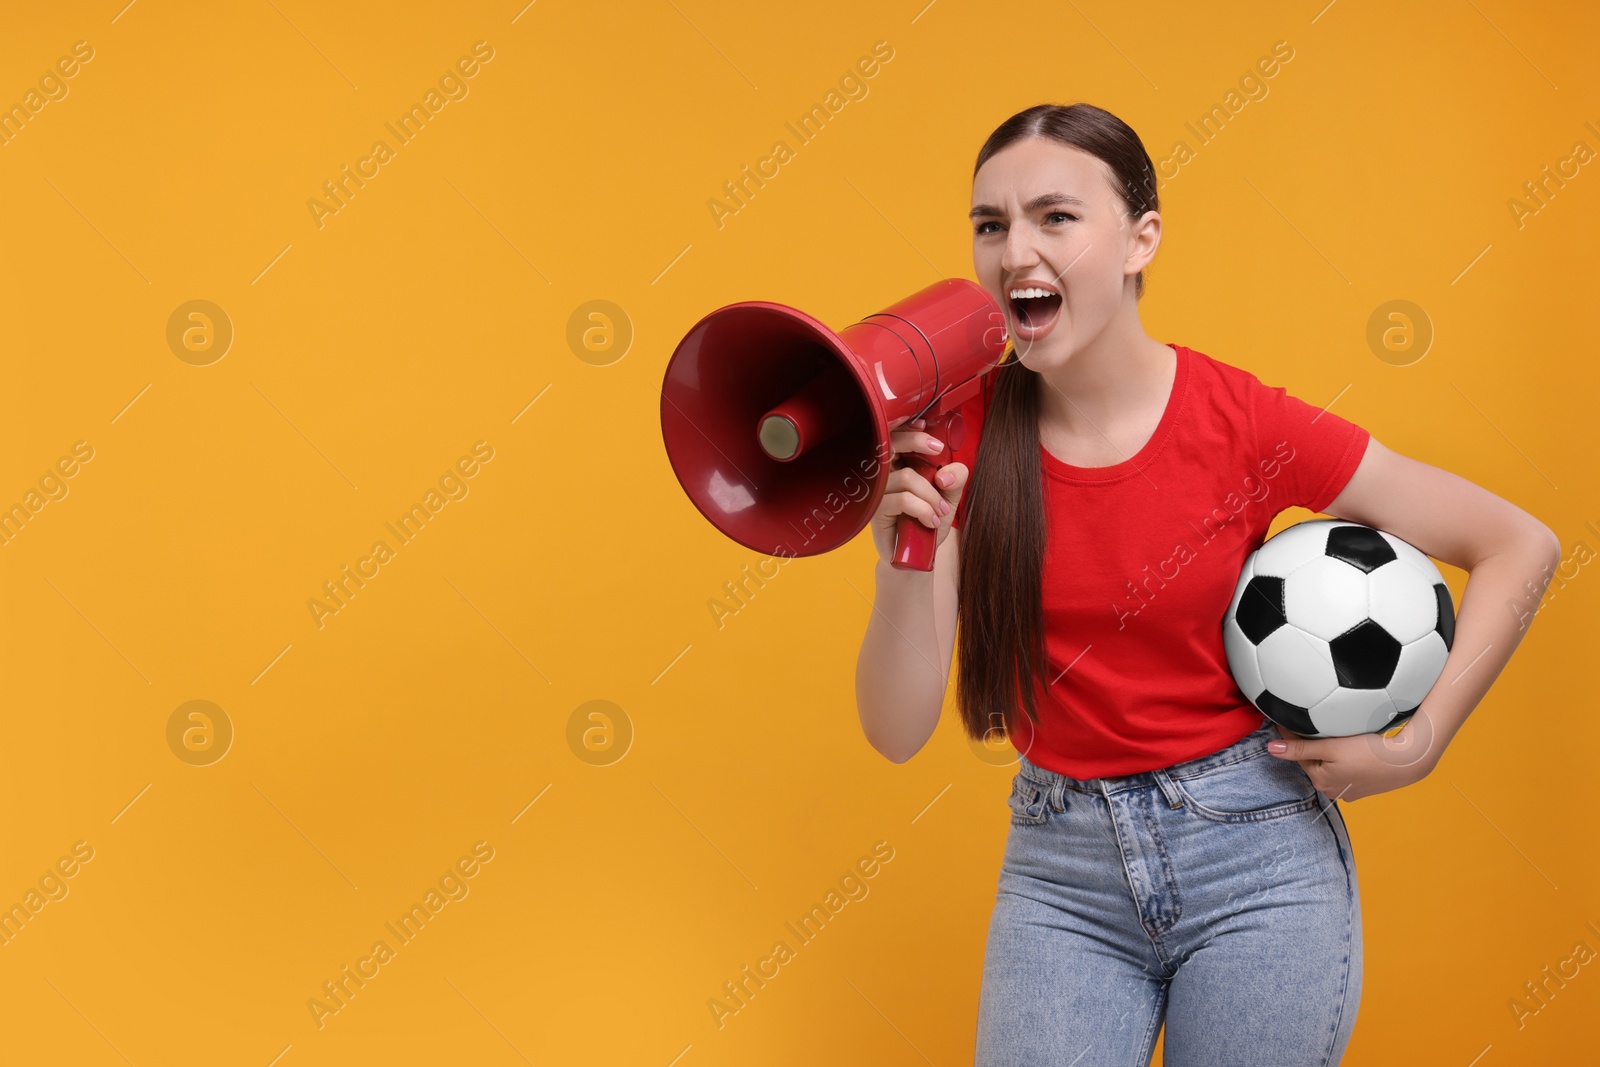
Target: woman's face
{"points": [[1046, 216]]}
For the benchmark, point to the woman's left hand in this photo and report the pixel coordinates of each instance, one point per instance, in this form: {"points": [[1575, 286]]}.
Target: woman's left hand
{"points": [[1361, 765]]}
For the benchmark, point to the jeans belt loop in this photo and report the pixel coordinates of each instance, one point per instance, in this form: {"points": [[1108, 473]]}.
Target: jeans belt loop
{"points": [[1168, 790]]}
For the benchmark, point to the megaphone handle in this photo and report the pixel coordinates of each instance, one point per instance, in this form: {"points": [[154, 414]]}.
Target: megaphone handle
{"points": [[914, 542]]}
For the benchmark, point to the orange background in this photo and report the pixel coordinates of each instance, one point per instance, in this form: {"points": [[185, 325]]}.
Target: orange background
{"points": [[642, 857]]}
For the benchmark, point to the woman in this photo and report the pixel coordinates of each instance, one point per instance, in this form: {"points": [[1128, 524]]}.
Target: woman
{"points": [[1164, 864]]}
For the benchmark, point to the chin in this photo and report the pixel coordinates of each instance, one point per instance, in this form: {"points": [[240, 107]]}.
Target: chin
{"points": [[1052, 352]]}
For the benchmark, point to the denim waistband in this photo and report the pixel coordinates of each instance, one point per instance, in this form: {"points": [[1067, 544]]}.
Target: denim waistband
{"points": [[1250, 745]]}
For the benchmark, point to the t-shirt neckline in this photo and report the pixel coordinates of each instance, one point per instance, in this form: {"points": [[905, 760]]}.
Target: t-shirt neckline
{"points": [[1169, 415]]}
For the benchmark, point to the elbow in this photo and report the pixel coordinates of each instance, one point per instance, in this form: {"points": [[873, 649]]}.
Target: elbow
{"points": [[882, 745], [1541, 549], [896, 732], [904, 753], [894, 753], [1528, 539], [896, 746], [1546, 544]]}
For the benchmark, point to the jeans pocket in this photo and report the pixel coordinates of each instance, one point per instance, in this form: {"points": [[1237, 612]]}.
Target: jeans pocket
{"points": [[1249, 790], [1028, 802]]}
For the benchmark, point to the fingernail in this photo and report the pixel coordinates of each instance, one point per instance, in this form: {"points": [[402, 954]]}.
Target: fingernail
{"points": [[944, 507], [943, 479], [1276, 746], [935, 445]]}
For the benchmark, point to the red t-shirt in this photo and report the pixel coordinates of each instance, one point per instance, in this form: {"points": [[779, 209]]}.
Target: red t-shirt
{"points": [[1141, 560]]}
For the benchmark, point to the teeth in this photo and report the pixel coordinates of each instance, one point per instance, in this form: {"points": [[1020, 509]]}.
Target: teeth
{"points": [[1025, 294]]}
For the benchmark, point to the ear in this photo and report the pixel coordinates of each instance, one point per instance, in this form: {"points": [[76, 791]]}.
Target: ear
{"points": [[1144, 237]]}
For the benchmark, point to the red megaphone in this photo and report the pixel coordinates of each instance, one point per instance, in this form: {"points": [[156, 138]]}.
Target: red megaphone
{"points": [[778, 428]]}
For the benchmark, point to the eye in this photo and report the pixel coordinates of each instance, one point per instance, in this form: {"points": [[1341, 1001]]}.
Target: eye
{"points": [[980, 227], [1061, 214]]}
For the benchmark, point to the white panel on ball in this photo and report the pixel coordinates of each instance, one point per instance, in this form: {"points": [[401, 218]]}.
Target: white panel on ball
{"points": [[1326, 597], [1242, 660], [1296, 666], [1402, 601], [1352, 711], [1287, 549], [1410, 555], [1420, 664]]}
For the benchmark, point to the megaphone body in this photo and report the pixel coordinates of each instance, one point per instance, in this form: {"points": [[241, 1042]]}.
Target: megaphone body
{"points": [[778, 428]]}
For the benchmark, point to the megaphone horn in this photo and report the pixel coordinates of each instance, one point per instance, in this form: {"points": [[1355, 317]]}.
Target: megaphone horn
{"points": [[778, 428]]}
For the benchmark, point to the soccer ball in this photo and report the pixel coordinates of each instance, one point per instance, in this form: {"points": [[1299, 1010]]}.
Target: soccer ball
{"points": [[1336, 628]]}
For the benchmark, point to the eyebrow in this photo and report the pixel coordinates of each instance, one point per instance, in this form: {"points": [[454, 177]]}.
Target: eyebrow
{"points": [[1043, 200]]}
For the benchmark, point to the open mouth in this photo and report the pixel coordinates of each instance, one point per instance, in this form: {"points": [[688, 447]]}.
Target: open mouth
{"points": [[1035, 314]]}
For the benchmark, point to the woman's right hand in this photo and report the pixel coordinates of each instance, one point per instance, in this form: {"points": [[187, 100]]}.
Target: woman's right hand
{"points": [[909, 493]]}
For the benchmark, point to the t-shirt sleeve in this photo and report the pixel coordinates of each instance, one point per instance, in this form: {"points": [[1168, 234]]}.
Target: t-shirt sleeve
{"points": [[1316, 450], [972, 413]]}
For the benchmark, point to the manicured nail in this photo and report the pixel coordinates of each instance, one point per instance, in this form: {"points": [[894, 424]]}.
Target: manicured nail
{"points": [[943, 479], [1276, 746], [944, 507], [935, 445]]}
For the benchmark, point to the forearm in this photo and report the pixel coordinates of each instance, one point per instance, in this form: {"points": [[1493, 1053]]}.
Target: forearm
{"points": [[1501, 596], [900, 682]]}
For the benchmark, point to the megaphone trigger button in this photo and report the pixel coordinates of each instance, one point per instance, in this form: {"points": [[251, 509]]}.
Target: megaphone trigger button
{"points": [[955, 430]]}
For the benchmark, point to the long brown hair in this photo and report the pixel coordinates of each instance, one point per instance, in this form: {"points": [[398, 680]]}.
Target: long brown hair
{"points": [[1001, 654]]}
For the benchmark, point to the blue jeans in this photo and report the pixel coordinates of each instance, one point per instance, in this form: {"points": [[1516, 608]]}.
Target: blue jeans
{"points": [[1218, 895]]}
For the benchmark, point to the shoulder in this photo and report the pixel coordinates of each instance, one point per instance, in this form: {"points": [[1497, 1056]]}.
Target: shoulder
{"points": [[1233, 388], [1216, 375]]}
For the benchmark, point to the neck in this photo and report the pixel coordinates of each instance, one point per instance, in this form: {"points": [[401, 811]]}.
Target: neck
{"points": [[1114, 373]]}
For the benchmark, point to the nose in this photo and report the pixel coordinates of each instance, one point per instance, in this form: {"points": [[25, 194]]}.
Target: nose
{"points": [[1021, 252]]}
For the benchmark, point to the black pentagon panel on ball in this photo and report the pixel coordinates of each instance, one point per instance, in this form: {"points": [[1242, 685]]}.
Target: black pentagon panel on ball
{"points": [[1364, 656], [1447, 614], [1260, 609], [1285, 714], [1360, 546], [1400, 719]]}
